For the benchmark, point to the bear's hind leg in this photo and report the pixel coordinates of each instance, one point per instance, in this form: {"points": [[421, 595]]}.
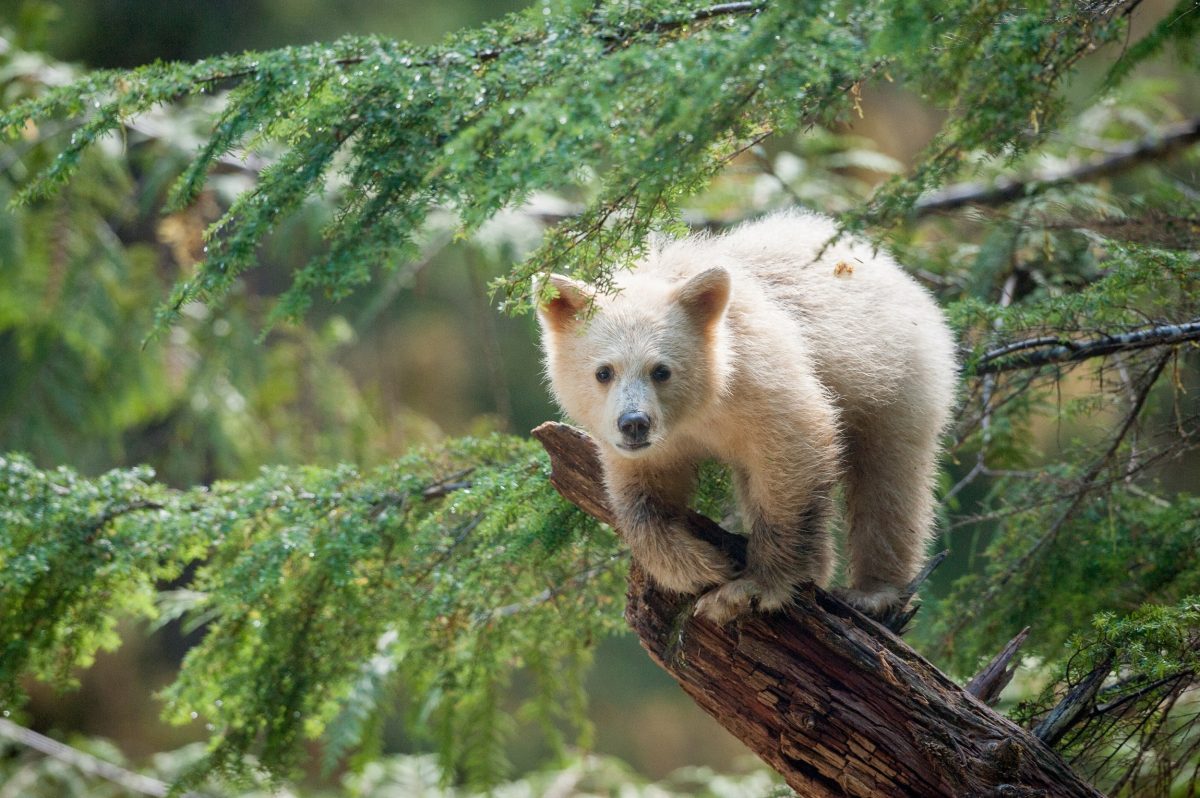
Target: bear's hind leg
{"points": [[889, 472]]}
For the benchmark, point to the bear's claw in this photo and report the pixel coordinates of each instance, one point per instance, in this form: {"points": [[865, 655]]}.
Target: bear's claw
{"points": [[732, 599]]}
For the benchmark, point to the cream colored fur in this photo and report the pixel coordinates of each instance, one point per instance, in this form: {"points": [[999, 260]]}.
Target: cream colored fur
{"points": [[794, 366]]}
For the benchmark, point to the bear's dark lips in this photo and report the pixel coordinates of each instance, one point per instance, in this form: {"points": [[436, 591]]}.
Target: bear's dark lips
{"points": [[633, 447]]}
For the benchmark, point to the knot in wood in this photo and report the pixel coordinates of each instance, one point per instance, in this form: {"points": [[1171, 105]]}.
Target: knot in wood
{"points": [[1004, 758], [943, 756], [1010, 791]]}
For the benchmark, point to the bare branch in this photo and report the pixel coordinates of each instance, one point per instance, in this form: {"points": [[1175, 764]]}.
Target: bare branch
{"points": [[1150, 226], [85, 762], [1125, 703], [898, 619], [1155, 146], [1055, 349]]}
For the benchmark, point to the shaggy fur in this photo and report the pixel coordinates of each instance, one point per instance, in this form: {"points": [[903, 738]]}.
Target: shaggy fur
{"points": [[795, 367]]}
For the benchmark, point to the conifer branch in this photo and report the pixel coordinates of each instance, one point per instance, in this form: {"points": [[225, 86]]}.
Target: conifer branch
{"points": [[492, 53], [1153, 147], [113, 513]]}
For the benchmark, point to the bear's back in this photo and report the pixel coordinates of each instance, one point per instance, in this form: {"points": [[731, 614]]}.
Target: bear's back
{"points": [[874, 336]]}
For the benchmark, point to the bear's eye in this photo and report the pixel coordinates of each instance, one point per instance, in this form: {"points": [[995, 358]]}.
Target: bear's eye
{"points": [[660, 374], [603, 374]]}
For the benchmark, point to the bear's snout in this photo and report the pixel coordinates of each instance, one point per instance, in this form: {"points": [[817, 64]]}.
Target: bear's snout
{"points": [[635, 428]]}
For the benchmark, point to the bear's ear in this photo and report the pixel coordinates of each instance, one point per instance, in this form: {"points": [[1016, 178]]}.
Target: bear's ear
{"points": [[573, 298], [705, 296]]}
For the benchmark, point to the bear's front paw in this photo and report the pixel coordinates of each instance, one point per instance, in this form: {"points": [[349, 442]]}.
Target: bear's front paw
{"points": [[722, 604], [687, 567]]}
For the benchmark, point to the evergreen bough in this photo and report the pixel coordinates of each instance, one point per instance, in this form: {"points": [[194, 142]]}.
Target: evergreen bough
{"points": [[321, 591]]}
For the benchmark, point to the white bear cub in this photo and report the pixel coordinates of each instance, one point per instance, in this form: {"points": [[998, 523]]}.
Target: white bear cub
{"points": [[795, 366]]}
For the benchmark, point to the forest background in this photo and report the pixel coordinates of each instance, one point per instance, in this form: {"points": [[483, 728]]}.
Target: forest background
{"points": [[422, 355]]}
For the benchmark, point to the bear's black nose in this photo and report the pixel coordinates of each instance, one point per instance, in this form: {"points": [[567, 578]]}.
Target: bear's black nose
{"points": [[634, 426]]}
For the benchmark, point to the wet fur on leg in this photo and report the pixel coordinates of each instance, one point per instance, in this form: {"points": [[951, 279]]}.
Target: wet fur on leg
{"points": [[674, 558]]}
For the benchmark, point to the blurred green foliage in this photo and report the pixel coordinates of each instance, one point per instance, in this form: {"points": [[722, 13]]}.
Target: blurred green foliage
{"points": [[413, 776], [400, 181], [327, 587], [128, 33]]}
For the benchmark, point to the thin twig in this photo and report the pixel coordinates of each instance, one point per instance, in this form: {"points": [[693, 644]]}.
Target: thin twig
{"points": [[456, 481], [551, 593], [85, 762], [987, 390], [1087, 484], [1151, 458], [1052, 349]]}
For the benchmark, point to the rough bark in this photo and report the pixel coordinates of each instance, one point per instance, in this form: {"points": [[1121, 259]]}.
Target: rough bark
{"points": [[830, 699]]}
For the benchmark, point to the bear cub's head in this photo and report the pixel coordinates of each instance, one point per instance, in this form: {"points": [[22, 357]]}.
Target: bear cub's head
{"points": [[638, 367]]}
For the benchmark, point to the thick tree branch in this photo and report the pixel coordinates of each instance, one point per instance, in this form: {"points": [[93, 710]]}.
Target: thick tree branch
{"points": [[830, 699], [1052, 349], [1155, 146]]}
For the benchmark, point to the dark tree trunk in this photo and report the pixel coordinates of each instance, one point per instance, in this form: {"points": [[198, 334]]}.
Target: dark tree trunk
{"points": [[833, 701]]}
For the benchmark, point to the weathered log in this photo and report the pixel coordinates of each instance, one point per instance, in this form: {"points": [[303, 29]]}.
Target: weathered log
{"points": [[830, 699]]}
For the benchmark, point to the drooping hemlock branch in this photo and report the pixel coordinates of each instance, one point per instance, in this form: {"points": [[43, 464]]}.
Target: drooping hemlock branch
{"points": [[830, 699], [1154, 146]]}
